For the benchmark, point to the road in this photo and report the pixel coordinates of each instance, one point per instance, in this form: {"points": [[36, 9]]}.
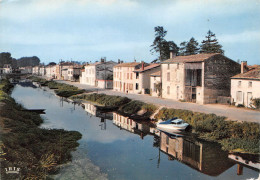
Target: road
{"points": [[232, 113]]}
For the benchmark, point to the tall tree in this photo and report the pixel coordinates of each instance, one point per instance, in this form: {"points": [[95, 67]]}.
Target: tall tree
{"points": [[161, 46], [183, 48], [211, 45], [192, 47]]}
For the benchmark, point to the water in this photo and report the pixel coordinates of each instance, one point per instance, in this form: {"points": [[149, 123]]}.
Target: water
{"points": [[115, 147]]}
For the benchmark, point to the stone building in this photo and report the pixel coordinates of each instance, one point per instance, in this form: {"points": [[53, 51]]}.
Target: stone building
{"points": [[200, 78], [99, 74], [245, 86]]}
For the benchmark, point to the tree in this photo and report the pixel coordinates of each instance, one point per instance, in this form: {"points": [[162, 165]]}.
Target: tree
{"points": [[183, 48], [211, 45], [161, 46], [192, 47]]}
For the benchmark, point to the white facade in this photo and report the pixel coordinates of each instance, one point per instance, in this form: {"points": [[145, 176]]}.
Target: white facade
{"points": [[51, 71], [244, 90], [7, 69], [96, 73], [42, 71], [36, 70]]}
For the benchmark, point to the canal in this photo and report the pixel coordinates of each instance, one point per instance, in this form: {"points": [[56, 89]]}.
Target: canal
{"points": [[115, 147]]}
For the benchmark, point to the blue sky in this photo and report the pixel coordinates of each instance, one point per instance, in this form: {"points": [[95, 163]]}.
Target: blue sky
{"points": [[86, 30]]}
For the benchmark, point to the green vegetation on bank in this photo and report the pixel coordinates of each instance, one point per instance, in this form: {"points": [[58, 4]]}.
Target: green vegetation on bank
{"points": [[61, 89], [233, 136], [124, 104], [36, 151]]}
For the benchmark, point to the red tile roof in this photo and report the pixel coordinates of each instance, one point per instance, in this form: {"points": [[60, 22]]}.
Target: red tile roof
{"points": [[252, 74], [151, 66], [190, 58]]}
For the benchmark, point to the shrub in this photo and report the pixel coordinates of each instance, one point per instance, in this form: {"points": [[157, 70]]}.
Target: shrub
{"points": [[240, 105], [256, 103]]}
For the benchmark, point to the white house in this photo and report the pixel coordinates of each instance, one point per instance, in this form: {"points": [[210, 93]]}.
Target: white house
{"points": [[7, 69], [99, 74], [245, 86]]}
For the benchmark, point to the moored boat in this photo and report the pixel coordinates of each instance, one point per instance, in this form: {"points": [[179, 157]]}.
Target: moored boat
{"points": [[173, 124]]}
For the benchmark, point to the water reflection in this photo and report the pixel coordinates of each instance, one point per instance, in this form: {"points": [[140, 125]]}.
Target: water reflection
{"points": [[142, 128]]}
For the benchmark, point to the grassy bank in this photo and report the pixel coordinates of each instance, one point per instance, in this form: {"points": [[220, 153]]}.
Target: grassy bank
{"points": [[233, 136], [37, 152], [61, 89], [124, 104]]}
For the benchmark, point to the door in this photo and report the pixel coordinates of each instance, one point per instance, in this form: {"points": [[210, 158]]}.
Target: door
{"points": [[249, 98]]}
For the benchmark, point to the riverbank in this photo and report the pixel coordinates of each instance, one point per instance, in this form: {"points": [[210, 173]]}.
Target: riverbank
{"points": [[234, 136], [35, 151]]}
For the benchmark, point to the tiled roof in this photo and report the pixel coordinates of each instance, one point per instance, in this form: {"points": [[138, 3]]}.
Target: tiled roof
{"points": [[151, 66], [253, 74], [131, 64], [158, 73], [190, 58]]}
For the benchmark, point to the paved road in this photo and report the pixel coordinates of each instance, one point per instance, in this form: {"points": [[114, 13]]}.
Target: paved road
{"points": [[232, 113]]}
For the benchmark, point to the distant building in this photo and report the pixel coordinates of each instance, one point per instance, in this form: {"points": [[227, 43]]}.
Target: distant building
{"points": [[99, 74], [26, 70], [73, 73], [51, 71], [200, 78], [36, 70], [42, 71], [7, 69], [155, 81], [245, 86]]}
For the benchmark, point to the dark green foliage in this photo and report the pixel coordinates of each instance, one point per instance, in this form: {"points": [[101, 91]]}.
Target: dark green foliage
{"points": [[211, 45], [256, 103], [161, 46], [215, 128], [28, 61], [26, 145], [132, 107], [68, 93], [240, 105], [189, 48], [5, 58]]}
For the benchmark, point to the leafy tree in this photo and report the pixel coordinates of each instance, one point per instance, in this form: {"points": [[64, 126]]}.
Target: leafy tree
{"points": [[211, 45], [5, 58], [28, 61], [161, 46]]}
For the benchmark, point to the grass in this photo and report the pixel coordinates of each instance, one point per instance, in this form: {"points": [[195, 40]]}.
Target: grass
{"points": [[231, 135], [61, 89], [35, 150], [124, 104]]}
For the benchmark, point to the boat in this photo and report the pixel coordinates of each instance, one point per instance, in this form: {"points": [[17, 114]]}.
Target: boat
{"points": [[173, 124]]}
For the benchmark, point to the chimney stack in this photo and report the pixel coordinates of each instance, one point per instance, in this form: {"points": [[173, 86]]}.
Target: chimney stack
{"points": [[243, 67], [172, 55], [119, 61], [142, 65], [102, 60]]}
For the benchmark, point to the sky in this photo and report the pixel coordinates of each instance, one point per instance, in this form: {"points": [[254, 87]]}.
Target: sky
{"points": [[86, 30]]}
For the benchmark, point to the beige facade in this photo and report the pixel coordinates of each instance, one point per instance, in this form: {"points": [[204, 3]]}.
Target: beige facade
{"points": [[51, 71], [245, 87], [133, 77], [123, 78], [201, 78]]}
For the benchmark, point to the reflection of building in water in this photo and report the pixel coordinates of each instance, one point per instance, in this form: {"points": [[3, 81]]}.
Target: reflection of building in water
{"points": [[90, 108], [204, 157], [250, 162], [138, 127]]}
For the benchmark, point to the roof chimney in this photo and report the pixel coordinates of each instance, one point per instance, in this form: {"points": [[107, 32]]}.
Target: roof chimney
{"points": [[119, 61], [243, 67], [172, 54], [102, 60], [142, 65]]}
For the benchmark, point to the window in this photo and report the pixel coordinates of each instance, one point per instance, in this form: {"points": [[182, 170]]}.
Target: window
{"points": [[239, 83], [177, 65], [168, 89], [136, 86], [167, 140], [137, 75], [168, 76], [168, 66], [131, 75], [239, 96], [127, 76], [250, 84], [154, 87]]}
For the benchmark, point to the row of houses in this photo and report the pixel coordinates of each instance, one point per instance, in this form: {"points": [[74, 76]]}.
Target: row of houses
{"points": [[200, 78]]}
